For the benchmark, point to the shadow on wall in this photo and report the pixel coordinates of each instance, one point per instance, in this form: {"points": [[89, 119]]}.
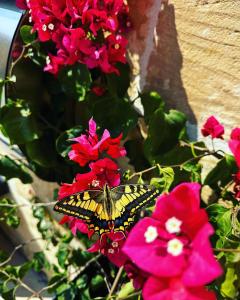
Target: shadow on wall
{"points": [[164, 67]]}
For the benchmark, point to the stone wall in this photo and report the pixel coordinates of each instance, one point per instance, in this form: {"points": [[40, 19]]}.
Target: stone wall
{"points": [[189, 51]]}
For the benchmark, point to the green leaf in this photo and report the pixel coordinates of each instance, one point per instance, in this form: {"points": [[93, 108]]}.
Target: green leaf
{"points": [[126, 290], [27, 35], [9, 294], [164, 182], [194, 169], [117, 115], [10, 169], [19, 122], [13, 221], [63, 143], [38, 212], [40, 262], [151, 102], [23, 269], [224, 223], [82, 282], [228, 288], [76, 81], [119, 84], [62, 254], [222, 173], [164, 132], [36, 151], [9, 214], [58, 280]]}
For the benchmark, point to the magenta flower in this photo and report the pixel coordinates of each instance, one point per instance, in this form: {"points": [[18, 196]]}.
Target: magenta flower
{"points": [[106, 171], [110, 245], [80, 30], [234, 144], [173, 288], [89, 147], [213, 128], [75, 224], [175, 240], [22, 4]]}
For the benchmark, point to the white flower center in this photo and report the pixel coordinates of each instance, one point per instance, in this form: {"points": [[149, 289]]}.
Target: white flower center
{"points": [[110, 251], [151, 234], [51, 26], [48, 61], [95, 183], [117, 46], [44, 27], [115, 244], [173, 225], [175, 247], [30, 19]]}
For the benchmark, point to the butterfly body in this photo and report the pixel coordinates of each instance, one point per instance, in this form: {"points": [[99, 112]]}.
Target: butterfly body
{"points": [[110, 208]]}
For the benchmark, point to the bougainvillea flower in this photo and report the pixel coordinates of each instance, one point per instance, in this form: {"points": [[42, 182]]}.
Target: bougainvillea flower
{"points": [[112, 147], [22, 4], [106, 171], [234, 144], [110, 245], [74, 224], [137, 275], [53, 63], [174, 289], [235, 134], [165, 246], [213, 128], [82, 182], [98, 90], [88, 147], [62, 21], [183, 204]]}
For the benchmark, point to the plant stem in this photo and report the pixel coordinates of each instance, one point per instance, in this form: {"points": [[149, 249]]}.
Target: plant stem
{"points": [[172, 166], [28, 204], [227, 250], [115, 283]]}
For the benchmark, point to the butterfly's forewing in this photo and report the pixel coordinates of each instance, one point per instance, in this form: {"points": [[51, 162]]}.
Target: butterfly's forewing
{"points": [[128, 200], [81, 205]]}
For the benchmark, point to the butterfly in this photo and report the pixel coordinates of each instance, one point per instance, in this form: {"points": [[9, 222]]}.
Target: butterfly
{"points": [[109, 209]]}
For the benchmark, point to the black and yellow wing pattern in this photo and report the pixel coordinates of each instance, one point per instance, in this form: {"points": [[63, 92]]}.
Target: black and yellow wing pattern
{"points": [[108, 209]]}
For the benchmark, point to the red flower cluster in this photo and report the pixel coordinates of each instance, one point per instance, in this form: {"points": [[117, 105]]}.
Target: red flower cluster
{"points": [[85, 31], [88, 150], [234, 145], [171, 249], [88, 147], [213, 128]]}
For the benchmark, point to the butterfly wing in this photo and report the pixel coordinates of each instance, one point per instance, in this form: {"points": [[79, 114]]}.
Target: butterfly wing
{"points": [[81, 205], [128, 200]]}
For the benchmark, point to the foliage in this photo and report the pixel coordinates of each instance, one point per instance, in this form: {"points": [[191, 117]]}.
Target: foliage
{"points": [[158, 150]]}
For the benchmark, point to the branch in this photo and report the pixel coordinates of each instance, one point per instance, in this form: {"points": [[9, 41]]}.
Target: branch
{"points": [[17, 248], [13, 64], [115, 283], [172, 166], [28, 204], [23, 284], [227, 250], [76, 273]]}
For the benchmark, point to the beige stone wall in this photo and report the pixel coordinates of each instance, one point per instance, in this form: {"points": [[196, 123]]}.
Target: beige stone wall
{"points": [[189, 51]]}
